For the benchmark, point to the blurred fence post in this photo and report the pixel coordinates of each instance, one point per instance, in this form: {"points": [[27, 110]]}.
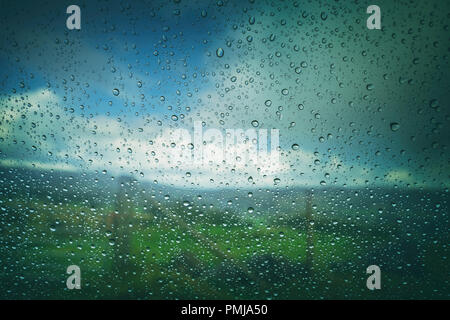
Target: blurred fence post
{"points": [[120, 226], [309, 232]]}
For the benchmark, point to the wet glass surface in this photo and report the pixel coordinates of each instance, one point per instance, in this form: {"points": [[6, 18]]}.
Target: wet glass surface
{"points": [[224, 150]]}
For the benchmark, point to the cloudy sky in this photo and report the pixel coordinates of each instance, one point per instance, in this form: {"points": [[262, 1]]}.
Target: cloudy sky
{"points": [[353, 107]]}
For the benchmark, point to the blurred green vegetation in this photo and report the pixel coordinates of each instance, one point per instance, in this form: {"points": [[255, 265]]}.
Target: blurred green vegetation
{"points": [[174, 251]]}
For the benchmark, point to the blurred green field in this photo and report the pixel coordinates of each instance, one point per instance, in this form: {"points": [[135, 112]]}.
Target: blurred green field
{"points": [[163, 252]]}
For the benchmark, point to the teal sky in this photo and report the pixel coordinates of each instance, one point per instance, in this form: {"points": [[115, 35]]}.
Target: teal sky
{"points": [[365, 107]]}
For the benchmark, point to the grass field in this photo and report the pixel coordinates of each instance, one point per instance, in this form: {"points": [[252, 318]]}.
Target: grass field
{"points": [[172, 252]]}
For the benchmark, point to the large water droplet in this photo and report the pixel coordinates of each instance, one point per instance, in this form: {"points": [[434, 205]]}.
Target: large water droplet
{"points": [[219, 52], [395, 126]]}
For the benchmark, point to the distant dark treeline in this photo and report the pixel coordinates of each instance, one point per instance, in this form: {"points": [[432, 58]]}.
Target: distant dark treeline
{"points": [[328, 202]]}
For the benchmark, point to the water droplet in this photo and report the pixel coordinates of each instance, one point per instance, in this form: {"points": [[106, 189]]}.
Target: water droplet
{"points": [[219, 52], [434, 104], [395, 126]]}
